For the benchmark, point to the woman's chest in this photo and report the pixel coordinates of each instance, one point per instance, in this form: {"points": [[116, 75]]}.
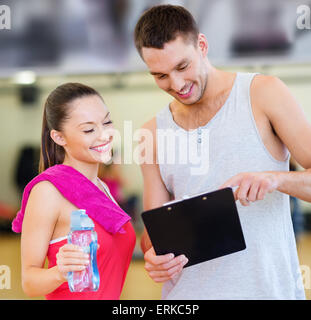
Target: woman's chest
{"points": [[62, 226]]}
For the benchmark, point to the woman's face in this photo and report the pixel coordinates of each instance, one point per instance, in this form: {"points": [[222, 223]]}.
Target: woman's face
{"points": [[87, 134]]}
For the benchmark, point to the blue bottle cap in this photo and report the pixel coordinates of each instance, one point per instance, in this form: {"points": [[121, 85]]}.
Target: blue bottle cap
{"points": [[80, 221]]}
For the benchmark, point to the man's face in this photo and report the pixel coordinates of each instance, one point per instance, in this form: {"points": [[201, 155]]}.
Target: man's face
{"points": [[179, 68]]}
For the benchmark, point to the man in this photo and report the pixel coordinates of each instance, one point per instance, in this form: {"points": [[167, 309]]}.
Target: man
{"points": [[250, 123]]}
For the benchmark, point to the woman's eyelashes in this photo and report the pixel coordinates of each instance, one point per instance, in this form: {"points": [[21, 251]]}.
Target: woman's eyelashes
{"points": [[88, 131], [92, 130]]}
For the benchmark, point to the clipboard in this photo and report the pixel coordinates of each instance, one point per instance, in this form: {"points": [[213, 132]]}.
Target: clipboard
{"points": [[203, 227]]}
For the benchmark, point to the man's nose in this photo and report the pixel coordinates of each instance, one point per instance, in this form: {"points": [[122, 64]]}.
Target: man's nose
{"points": [[177, 83]]}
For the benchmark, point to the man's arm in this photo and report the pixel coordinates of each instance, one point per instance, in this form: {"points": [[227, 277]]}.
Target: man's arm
{"points": [[164, 267], [155, 193], [292, 127], [290, 124]]}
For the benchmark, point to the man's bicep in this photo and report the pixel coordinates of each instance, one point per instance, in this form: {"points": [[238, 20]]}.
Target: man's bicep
{"points": [[289, 121], [155, 193]]}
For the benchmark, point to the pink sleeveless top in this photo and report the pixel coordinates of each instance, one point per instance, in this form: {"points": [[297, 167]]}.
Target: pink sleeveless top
{"points": [[113, 259], [115, 233]]}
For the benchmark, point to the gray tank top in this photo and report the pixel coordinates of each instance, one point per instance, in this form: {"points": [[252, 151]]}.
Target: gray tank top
{"points": [[201, 160]]}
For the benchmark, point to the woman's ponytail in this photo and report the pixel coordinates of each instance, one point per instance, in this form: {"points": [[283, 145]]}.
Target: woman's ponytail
{"points": [[51, 153]]}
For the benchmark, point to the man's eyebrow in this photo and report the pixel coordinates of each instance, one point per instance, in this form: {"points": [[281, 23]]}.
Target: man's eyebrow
{"points": [[176, 67], [181, 63], [155, 73], [91, 122]]}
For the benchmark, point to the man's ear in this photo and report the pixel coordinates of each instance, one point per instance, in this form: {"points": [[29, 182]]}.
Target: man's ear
{"points": [[57, 137], [203, 44]]}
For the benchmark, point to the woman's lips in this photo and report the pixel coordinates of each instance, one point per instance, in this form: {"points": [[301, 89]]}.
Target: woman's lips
{"points": [[102, 148], [187, 94]]}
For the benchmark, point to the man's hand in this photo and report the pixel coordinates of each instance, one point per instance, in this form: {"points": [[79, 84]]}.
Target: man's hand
{"points": [[252, 186], [164, 267]]}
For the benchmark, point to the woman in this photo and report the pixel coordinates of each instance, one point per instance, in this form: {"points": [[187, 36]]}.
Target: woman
{"points": [[77, 135]]}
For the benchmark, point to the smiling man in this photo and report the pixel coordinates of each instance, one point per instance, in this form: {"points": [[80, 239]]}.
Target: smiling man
{"points": [[252, 124]]}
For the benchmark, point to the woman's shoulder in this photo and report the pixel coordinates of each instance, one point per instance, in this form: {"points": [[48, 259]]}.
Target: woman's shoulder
{"points": [[45, 193], [43, 205], [45, 187]]}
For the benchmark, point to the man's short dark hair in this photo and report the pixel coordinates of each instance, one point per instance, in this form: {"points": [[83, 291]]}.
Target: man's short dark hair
{"points": [[164, 23]]}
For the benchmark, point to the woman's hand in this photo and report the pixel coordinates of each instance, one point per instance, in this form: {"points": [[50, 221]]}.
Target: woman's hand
{"points": [[71, 258]]}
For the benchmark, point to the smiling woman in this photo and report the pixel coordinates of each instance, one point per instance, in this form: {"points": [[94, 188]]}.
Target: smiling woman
{"points": [[77, 136], [90, 127], [75, 122]]}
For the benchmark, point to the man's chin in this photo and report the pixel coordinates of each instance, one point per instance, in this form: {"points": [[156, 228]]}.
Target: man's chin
{"points": [[187, 102]]}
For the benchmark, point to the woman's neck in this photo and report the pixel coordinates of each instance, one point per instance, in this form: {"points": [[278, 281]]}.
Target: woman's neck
{"points": [[90, 170]]}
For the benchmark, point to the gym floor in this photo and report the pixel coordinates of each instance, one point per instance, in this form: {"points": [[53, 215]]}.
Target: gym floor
{"points": [[138, 285]]}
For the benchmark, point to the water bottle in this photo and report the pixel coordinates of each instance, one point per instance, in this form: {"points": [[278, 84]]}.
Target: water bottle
{"points": [[82, 233]]}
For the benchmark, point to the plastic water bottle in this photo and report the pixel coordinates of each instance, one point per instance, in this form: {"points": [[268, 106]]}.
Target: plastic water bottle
{"points": [[82, 233]]}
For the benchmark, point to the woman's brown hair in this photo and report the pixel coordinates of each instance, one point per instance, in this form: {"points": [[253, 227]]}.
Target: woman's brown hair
{"points": [[56, 112]]}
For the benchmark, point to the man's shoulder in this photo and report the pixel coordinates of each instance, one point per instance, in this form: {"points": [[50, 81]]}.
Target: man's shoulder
{"points": [[266, 84], [268, 92], [150, 124]]}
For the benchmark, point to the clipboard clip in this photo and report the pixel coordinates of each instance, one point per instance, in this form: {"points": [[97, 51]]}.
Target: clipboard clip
{"points": [[187, 197], [174, 201]]}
